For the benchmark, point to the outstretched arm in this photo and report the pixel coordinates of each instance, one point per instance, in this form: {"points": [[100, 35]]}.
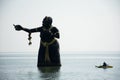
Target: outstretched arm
{"points": [[19, 27]]}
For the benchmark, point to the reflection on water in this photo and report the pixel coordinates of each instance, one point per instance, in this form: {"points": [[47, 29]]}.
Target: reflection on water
{"points": [[49, 73]]}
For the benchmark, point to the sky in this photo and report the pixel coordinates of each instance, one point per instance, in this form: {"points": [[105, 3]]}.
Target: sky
{"points": [[84, 25]]}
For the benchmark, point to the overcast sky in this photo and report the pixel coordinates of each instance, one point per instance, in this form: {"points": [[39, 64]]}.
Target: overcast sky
{"points": [[84, 25]]}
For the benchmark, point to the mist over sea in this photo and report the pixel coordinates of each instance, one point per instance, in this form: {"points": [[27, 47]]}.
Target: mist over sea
{"points": [[75, 66]]}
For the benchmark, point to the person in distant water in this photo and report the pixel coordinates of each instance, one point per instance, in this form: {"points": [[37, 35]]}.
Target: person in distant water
{"points": [[48, 54], [104, 64]]}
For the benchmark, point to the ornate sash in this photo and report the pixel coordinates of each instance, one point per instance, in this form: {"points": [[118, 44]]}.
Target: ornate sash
{"points": [[46, 45]]}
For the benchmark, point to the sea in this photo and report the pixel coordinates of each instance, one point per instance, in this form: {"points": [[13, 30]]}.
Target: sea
{"points": [[75, 66]]}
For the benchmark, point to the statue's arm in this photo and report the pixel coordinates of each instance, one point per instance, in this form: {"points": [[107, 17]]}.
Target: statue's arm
{"points": [[56, 32], [57, 35], [19, 27]]}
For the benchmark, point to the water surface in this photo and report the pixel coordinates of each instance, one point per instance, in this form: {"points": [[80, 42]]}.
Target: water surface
{"points": [[75, 66]]}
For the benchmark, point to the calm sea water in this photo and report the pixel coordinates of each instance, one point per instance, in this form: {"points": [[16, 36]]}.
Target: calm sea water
{"points": [[75, 66]]}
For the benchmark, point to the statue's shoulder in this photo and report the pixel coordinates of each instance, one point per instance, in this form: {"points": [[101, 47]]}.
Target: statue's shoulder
{"points": [[54, 29]]}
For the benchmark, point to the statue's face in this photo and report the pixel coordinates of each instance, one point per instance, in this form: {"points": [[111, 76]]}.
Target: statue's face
{"points": [[47, 21]]}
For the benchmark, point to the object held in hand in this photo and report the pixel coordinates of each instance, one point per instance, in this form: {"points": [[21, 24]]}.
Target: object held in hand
{"points": [[30, 43], [18, 27], [29, 38]]}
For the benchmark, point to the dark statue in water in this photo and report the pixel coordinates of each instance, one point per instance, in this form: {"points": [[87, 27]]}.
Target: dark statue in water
{"points": [[48, 54]]}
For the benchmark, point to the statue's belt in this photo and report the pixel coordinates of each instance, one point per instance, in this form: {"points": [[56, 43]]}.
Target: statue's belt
{"points": [[45, 44]]}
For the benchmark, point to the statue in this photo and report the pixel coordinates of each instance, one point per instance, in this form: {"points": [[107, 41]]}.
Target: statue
{"points": [[48, 54]]}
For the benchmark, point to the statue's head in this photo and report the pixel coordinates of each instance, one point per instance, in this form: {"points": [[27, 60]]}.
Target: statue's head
{"points": [[47, 22]]}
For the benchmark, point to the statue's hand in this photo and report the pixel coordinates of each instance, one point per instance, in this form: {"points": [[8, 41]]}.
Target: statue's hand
{"points": [[18, 27]]}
